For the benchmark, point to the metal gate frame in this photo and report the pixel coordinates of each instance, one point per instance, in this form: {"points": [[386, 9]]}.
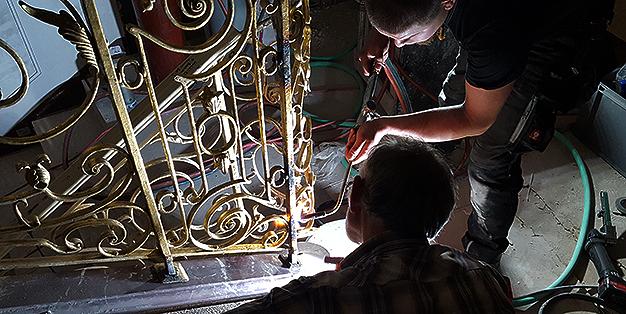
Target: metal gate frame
{"points": [[110, 210]]}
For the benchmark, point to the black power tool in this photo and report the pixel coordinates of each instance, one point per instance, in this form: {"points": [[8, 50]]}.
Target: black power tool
{"points": [[611, 286]]}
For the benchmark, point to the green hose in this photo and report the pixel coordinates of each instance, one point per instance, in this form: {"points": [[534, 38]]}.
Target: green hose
{"points": [[316, 118], [353, 73], [353, 172], [335, 57], [326, 62], [584, 226]]}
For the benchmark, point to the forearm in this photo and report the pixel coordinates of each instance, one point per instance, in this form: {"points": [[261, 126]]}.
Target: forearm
{"points": [[479, 111], [434, 125]]}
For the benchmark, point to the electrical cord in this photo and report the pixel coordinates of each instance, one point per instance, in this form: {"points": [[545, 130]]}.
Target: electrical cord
{"points": [[571, 296], [398, 86], [542, 293]]}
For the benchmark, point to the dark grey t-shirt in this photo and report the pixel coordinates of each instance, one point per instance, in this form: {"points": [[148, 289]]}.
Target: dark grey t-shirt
{"points": [[498, 34]]}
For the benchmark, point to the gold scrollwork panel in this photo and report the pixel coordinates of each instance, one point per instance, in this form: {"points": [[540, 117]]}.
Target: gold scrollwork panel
{"points": [[229, 163]]}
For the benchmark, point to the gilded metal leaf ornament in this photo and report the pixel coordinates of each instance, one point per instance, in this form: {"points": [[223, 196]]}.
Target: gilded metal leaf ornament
{"points": [[72, 30], [68, 28], [36, 174]]}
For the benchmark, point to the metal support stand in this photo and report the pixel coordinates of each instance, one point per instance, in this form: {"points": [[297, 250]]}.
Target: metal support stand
{"points": [[290, 261], [169, 272]]}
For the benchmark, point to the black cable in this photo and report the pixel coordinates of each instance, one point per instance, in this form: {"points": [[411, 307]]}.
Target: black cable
{"points": [[569, 295], [546, 291]]}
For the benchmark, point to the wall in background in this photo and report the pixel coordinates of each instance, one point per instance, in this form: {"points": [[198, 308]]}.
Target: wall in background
{"points": [[618, 27], [50, 60]]}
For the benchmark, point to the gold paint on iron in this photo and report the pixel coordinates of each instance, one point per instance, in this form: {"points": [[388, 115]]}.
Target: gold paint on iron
{"points": [[123, 206]]}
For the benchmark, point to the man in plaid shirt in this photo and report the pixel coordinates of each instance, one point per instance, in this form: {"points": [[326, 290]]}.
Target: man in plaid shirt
{"points": [[403, 196]]}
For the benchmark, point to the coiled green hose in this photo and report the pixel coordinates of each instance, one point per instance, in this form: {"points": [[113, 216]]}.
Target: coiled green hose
{"points": [[584, 224]]}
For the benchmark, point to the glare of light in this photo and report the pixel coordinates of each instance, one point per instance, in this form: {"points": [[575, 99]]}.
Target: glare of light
{"points": [[332, 236]]}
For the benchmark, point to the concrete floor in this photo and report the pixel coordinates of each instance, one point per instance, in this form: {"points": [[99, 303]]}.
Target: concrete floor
{"points": [[547, 223]]}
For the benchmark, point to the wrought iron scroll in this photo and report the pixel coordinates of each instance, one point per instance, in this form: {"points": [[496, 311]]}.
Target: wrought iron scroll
{"points": [[233, 170]]}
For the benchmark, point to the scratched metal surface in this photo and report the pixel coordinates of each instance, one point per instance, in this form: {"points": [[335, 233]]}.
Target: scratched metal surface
{"points": [[131, 288]]}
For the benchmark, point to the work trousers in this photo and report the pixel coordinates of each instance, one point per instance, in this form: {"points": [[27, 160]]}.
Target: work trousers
{"points": [[494, 169]]}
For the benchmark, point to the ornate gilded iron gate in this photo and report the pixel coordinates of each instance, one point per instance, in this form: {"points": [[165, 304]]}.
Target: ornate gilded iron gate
{"points": [[117, 204]]}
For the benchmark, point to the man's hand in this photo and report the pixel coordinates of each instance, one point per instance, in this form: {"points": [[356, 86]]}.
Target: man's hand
{"points": [[472, 118], [361, 140], [374, 52]]}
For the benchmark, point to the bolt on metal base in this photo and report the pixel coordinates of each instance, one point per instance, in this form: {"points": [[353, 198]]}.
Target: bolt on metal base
{"points": [[290, 261], [170, 272]]}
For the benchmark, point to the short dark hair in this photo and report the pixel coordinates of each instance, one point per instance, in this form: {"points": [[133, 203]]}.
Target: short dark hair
{"points": [[396, 16], [409, 185]]}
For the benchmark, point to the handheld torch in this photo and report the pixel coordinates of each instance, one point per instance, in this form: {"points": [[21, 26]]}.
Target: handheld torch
{"points": [[367, 113]]}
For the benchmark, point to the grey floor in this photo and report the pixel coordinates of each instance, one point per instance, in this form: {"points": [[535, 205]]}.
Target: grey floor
{"points": [[547, 223]]}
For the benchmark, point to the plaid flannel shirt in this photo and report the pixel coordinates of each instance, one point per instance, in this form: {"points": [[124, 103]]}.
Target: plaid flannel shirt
{"points": [[388, 274]]}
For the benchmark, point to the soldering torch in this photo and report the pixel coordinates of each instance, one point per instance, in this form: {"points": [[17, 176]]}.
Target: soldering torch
{"points": [[367, 113]]}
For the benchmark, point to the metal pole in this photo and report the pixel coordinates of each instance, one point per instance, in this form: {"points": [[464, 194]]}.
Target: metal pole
{"points": [[129, 137], [287, 121]]}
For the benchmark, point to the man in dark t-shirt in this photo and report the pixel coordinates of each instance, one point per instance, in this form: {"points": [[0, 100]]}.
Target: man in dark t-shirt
{"points": [[508, 49]]}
